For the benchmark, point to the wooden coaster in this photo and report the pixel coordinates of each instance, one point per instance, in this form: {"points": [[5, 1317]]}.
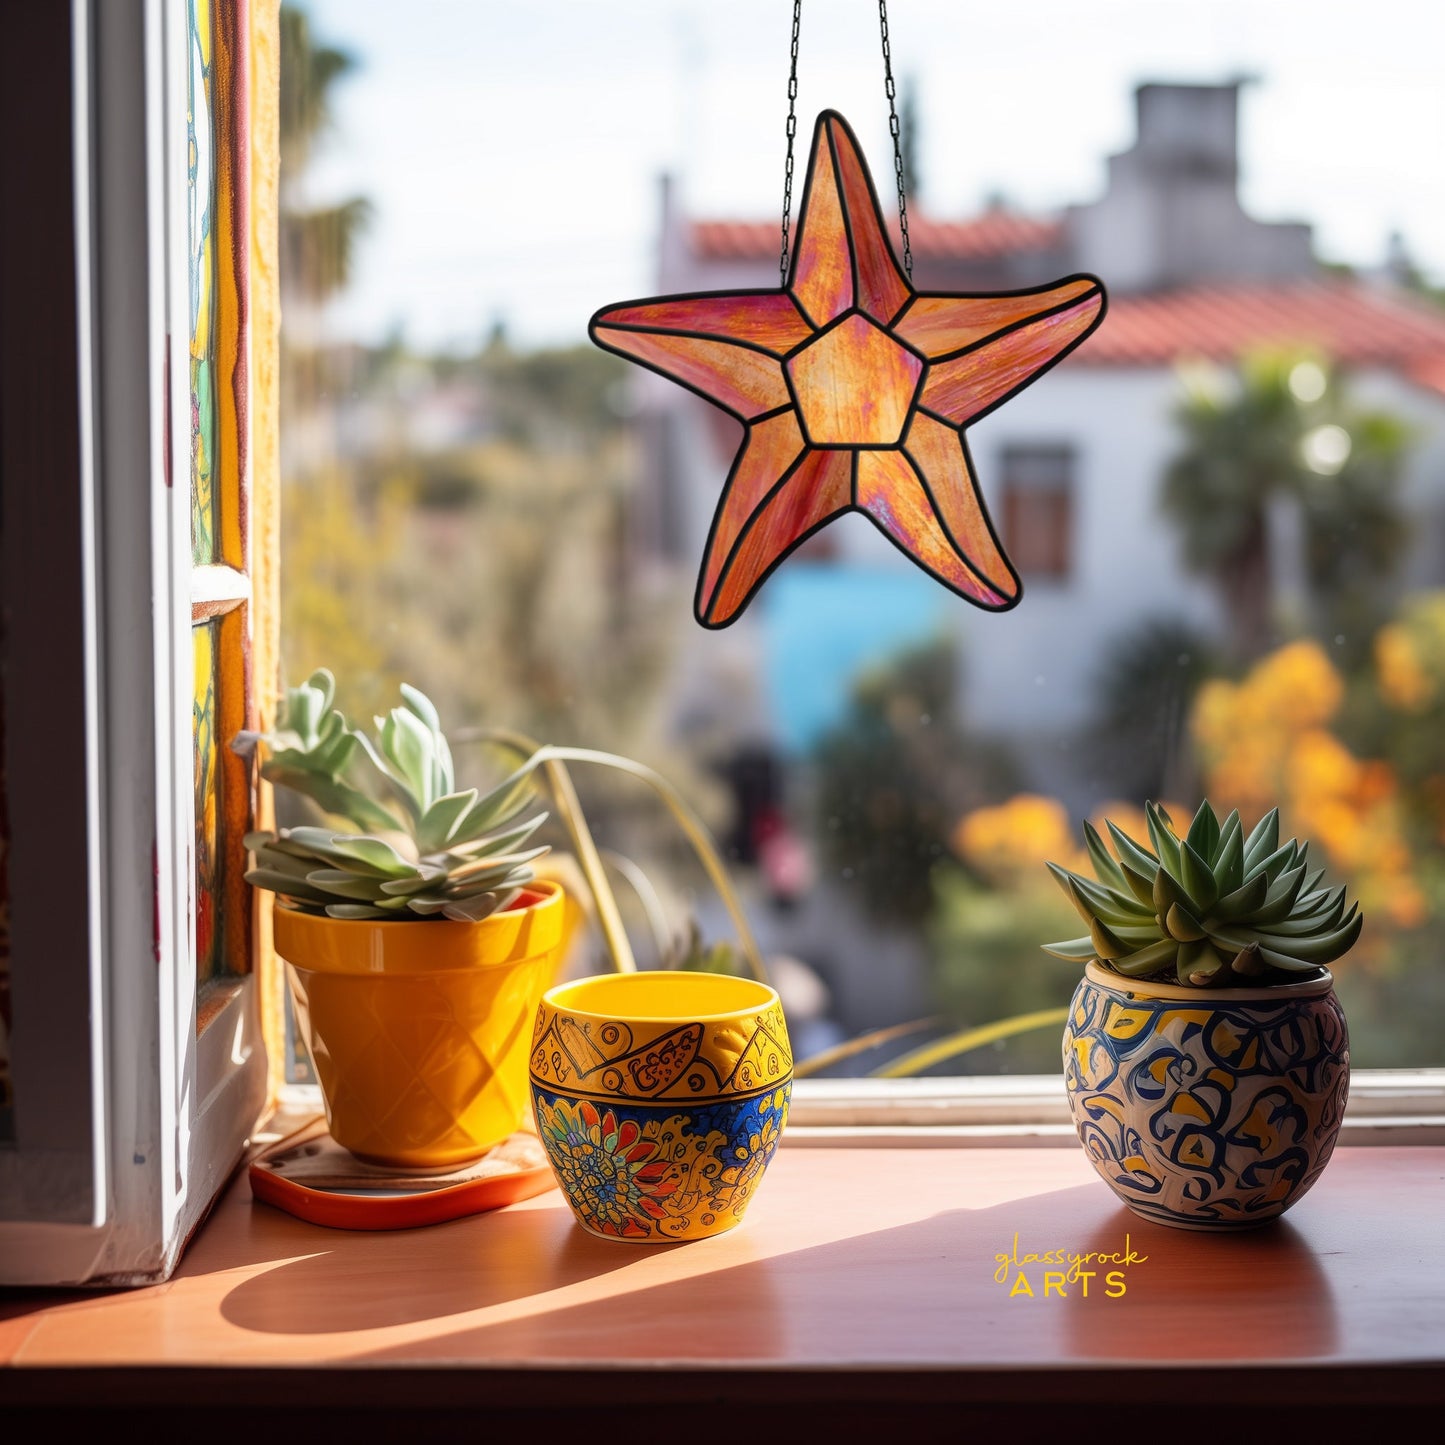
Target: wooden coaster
{"points": [[310, 1175]]}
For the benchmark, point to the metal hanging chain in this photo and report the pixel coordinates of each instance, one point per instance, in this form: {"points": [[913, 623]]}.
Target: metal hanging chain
{"points": [[893, 129], [792, 131]]}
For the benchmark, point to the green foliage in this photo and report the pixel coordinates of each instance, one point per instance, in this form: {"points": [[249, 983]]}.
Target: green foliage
{"points": [[1282, 427], [1354, 526], [1141, 697], [493, 572], [492, 568], [1395, 1004], [893, 778], [984, 943], [411, 845], [1240, 438], [1212, 908], [1397, 712]]}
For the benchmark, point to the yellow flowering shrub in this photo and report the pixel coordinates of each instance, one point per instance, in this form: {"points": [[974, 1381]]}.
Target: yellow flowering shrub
{"points": [[1245, 730], [1266, 740], [1410, 656], [1017, 836], [1402, 680], [1297, 685], [1409, 676]]}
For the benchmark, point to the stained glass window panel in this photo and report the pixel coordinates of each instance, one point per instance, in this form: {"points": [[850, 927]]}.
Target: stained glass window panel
{"points": [[205, 639], [201, 201]]}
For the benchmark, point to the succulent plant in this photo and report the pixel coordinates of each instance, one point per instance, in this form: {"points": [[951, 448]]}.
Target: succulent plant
{"points": [[1213, 908], [413, 846]]}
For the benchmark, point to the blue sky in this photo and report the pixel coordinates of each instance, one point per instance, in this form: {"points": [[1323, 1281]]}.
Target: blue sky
{"points": [[512, 149]]}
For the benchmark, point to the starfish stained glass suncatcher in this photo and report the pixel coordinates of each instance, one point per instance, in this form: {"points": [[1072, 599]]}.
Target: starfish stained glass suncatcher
{"points": [[854, 390]]}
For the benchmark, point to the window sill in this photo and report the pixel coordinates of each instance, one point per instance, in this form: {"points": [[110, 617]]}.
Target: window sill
{"points": [[860, 1289], [1387, 1106]]}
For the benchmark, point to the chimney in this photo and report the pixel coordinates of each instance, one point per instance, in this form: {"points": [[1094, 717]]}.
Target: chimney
{"points": [[1189, 130], [1170, 215]]}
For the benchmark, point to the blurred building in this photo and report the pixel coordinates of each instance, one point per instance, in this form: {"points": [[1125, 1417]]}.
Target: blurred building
{"points": [[1071, 467]]}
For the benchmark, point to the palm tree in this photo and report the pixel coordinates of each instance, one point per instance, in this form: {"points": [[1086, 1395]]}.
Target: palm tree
{"points": [[318, 244], [1281, 427], [1354, 531]]}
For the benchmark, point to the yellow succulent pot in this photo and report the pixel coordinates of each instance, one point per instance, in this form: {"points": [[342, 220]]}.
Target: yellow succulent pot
{"points": [[420, 1031]]}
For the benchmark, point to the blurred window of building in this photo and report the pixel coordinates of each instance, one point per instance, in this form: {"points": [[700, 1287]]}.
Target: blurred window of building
{"points": [[1037, 487]]}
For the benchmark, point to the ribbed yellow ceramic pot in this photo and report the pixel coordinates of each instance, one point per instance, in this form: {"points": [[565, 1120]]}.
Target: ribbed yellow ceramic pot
{"points": [[420, 1031]]}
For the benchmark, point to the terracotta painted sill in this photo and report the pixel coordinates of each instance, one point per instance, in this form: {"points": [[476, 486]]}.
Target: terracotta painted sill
{"points": [[859, 1295]]}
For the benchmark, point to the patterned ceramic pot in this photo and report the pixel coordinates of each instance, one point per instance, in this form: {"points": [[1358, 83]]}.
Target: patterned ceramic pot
{"points": [[660, 1098], [418, 1030], [1206, 1108]]}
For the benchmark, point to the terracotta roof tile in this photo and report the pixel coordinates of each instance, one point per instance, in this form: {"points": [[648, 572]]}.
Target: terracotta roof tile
{"points": [[1429, 372], [1350, 322]]}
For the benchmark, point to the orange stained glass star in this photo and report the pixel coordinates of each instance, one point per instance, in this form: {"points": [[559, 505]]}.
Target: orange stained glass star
{"points": [[854, 390]]}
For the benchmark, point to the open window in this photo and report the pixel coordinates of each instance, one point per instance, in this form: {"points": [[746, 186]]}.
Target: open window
{"points": [[478, 502], [137, 484], [536, 513]]}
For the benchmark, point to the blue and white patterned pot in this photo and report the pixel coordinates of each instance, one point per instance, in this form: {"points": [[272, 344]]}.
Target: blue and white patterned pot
{"points": [[1206, 1108]]}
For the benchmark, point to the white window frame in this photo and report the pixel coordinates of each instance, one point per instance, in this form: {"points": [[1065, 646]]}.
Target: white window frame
{"points": [[171, 1110], [1386, 1106]]}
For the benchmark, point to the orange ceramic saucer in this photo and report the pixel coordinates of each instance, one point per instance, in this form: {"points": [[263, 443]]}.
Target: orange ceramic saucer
{"points": [[310, 1175]]}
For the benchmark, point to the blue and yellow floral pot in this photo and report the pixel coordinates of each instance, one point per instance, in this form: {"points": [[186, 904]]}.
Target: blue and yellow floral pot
{"points": [[1206, 1108], [660, 1098]]}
